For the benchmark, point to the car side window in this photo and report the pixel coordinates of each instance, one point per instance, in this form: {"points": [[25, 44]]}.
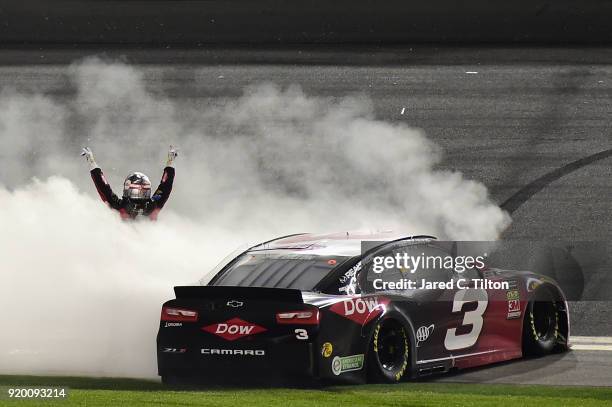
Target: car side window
{"points": [[434, 265]]}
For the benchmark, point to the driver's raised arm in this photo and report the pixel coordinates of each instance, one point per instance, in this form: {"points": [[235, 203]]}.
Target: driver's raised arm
{"points": [[162, 193], [104, 189]]}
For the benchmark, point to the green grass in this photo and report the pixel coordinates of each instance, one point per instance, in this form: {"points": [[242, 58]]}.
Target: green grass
{"points": [[127, 392]]}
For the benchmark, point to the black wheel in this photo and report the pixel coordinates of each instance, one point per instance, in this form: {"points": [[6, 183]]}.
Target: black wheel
{"points": [[388, 356], [540, 326]]}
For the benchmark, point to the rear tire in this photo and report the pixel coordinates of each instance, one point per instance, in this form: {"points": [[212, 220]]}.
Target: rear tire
{"points": [[388, 356], [540, 326]]}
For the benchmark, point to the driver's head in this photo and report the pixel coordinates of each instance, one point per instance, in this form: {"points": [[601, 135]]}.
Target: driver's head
{"points": [[137, 187]]}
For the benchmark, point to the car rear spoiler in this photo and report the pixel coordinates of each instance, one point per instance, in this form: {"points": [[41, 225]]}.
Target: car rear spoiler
{"points": [[239, 293]]}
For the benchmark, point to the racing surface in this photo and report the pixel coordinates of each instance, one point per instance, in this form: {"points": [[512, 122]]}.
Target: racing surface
{"points": [[531, 124], [588, 364]]}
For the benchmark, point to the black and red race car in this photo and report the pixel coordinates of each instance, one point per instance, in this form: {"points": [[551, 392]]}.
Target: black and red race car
{"points": [[309, 306]]}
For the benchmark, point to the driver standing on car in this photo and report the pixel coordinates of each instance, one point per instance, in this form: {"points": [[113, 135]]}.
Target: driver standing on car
{"points": [[136, 200]]}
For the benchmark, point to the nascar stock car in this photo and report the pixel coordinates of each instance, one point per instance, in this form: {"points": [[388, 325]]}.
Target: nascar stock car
{"points": [[310, 306]]}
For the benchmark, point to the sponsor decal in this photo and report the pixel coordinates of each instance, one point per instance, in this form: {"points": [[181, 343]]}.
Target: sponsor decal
{"points": [[233, 352], [512, 295], [401, 372], [360, 310], [350, 273], [327, 349], [332, 262], [347, 364], [349, 280], [174, 350], [423, 333], [172, 324], [234, 304], [233, 329], [513, 284], [514, 309]]}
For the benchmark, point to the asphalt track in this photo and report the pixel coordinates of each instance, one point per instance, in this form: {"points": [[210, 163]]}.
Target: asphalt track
{"points": [[532, 124], [589, 363]]}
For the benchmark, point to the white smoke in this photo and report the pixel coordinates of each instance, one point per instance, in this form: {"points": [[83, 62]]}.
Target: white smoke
{"points": [[82, 290]]}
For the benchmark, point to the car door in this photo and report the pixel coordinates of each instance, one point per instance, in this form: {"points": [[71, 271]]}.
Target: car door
{"points": [[478, 329], [467, 307]]}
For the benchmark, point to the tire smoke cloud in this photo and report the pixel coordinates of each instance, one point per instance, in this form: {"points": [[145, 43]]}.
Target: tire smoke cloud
{"points": [[86, 288]]}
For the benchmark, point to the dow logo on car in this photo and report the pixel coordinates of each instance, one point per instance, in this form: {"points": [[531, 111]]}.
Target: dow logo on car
{"points": [[233, 329]]}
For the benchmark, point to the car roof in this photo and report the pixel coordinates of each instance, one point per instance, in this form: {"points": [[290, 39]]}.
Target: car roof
{"points": [[339, 244]]}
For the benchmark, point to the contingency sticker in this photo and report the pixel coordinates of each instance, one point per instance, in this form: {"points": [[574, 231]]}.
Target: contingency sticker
{"points": [[347, 364], [512, 295], [514, 309]]}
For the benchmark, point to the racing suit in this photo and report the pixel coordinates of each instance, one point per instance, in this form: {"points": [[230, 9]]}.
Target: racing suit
{"points": [[127, 208]]}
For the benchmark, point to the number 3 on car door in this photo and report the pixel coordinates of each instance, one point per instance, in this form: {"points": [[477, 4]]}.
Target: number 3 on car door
{"points": [[453, 341]]}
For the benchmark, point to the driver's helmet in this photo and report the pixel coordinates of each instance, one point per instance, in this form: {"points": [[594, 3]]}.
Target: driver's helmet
{"points": [[137, 187]]}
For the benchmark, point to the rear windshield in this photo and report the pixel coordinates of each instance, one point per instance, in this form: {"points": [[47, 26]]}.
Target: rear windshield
{"points": [[302, 272]]}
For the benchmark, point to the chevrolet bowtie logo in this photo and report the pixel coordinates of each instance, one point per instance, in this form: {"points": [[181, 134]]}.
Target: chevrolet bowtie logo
{"points": [[235, 304]]}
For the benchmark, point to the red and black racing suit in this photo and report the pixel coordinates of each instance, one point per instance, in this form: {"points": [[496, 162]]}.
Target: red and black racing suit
{"points": [[150, 207]]}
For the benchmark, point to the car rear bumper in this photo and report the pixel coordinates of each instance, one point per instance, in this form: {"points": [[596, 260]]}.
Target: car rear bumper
{"points": [[226, 362]]}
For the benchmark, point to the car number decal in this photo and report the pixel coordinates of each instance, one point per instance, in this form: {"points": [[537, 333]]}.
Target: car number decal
{"points": [[453, 341]]}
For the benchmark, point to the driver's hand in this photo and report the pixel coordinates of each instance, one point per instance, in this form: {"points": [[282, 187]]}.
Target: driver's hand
{"points": [[88, 154], [172, 154]]}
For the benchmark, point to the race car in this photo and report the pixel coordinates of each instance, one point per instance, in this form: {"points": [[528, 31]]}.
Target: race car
{"points": [[313, 306]]}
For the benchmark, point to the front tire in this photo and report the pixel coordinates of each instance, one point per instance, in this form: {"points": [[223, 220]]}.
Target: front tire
{"points": [[388, 356], [540, 326]]}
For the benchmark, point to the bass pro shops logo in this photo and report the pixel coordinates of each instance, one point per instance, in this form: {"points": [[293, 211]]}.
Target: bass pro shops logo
{"points": [[360, 310], [233, 329]]}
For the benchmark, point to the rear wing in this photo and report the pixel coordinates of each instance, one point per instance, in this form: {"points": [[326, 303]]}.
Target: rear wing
{"points": [[239, 293]]}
